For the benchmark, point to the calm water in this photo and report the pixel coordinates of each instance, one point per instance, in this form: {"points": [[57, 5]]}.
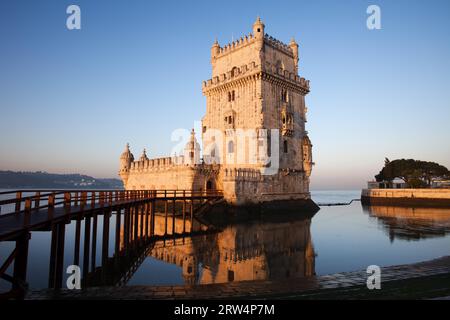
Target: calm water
{"points": [[336, 239]]}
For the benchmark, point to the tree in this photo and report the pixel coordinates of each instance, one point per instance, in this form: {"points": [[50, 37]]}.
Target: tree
{"points": [[415, 173]]}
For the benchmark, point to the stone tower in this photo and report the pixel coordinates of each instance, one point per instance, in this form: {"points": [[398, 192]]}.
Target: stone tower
{"points": [[255, 119], [255, 146]]}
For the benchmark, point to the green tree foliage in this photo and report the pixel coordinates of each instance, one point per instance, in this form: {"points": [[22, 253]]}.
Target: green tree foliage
{"points": [[415, 173]]}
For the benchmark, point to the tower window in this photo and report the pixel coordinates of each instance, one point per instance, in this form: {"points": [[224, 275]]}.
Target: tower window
{"points": [[285, 146], [230, 146], [231, 96], [259, 30]]}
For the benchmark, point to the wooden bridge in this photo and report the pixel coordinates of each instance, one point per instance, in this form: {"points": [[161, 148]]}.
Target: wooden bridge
{"points": [[129, 215]]}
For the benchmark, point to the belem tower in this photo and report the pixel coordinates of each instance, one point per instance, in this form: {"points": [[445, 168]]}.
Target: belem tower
{"points": [[255, 146]]}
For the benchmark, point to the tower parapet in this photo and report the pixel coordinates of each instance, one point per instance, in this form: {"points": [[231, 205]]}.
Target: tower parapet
{"points": [[239, 73]]}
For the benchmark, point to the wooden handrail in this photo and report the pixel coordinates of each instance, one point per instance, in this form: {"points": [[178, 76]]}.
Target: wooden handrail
{"points": [[70, 198]]}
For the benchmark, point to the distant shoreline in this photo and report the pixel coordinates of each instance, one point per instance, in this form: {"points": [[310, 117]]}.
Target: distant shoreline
{"points": [[45, 180]]}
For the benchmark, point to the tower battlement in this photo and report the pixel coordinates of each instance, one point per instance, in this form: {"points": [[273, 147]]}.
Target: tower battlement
{"points": [[235, 45], [277, 44], [249, 39], [240, 73]]}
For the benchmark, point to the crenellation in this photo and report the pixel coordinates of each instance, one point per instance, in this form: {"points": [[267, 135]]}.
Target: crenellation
{"points": [[237, 73]]}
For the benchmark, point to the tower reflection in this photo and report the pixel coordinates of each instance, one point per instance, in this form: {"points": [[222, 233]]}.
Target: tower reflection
{"points": [[258, 250]]}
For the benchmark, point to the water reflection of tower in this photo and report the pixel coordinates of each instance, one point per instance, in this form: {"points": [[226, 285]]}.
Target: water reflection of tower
{"points": [[190, 269], [252, 251], [261, 251]]}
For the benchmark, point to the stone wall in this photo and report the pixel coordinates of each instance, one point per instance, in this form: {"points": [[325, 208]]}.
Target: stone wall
{"points": [[407, 197]]}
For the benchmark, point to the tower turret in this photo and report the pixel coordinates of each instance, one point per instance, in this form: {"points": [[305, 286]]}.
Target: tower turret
{"points": [[126, 159], [307, 155], [294, 48], [258, 29], [192, 151], [215, 49], [143, 156]]}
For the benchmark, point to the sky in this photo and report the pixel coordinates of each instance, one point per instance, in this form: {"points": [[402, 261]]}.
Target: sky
{"points": [[71, 99]]}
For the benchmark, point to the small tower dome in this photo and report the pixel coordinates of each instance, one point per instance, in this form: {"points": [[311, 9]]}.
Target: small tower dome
{"points": [[192, 150], [143, 156], [126, 159], [258, 28], [215, 49], [294, 47]]}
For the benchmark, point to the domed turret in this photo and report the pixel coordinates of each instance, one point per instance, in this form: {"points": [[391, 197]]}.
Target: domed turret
{"points": [[294, 48], [143, 156], [192, 151], [126, 159], [215, 49], [307, 155], [258, 29]]}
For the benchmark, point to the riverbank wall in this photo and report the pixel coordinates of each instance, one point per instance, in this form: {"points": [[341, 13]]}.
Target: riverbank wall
{"points": [[407, 197]]}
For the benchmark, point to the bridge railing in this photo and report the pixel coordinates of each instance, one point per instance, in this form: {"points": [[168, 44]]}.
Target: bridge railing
{"points": [[20, 201]]}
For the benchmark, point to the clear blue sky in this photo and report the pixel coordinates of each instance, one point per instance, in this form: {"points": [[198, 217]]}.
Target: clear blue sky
{"points": [[70, 100]]}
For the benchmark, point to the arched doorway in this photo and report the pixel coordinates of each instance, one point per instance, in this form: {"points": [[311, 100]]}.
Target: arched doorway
{"points": [[210, 185]]}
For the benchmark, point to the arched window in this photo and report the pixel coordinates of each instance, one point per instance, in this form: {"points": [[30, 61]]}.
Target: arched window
{"points": [[232, 96], [285, 146], [230, 146], [229, 96]]}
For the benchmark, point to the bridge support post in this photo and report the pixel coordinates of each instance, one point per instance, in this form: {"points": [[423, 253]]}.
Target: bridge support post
{"points": [[57, 256], [87, 242], [94, 241], [105, 241], [20, 265], [18, 200], [118, 224], [174, 201], [184, 213], [142, 216], [147, 208], [136, 223], [126, 227], [165, 215], [152, 217], [76, 253]]}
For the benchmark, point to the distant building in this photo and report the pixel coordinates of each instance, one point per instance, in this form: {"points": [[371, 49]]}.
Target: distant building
{"points": [[445, 184], [255, 146], [396, 184]]}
